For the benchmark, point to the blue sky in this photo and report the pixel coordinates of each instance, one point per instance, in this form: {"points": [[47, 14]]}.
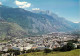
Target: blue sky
{"points": [[68, 9]]}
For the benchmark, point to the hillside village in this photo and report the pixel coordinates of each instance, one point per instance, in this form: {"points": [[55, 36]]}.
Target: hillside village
{"points": [[50, 41]]}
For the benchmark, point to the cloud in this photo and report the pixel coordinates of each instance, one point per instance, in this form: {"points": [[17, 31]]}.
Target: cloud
{"points": [[35, 8], [22, 4], [76, 22], [0, 3]]}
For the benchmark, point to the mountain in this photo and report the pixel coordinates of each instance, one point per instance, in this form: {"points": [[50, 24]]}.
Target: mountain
{"points": [[36, 23], [10, 30], [76, 26]]}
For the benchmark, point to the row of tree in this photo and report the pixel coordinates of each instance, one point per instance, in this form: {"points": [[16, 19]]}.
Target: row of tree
{"points": [[70, 46]]}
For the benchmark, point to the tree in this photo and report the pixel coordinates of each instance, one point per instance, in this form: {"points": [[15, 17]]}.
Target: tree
{"points": [[30, 50], [1, 53], [17, 52], [70, 46], [78, 47], [73, 41], [57, 49], [10, 50], [64, 48], [24, 51], [37, 50], [47, 50]]}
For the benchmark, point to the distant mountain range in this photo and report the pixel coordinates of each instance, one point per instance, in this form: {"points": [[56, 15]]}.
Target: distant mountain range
{"points": [[23, 22]]}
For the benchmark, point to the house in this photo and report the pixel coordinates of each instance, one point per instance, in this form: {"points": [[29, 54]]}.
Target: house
{"points": [[18, 48], [41, 47], [54, 45]]}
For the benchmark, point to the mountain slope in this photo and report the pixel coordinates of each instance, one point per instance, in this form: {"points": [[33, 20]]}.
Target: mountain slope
{"points": [[35, 23], [11, 30], [75, 26]]}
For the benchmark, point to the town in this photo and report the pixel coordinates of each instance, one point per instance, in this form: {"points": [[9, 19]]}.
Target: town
{"points": [[50, 41]]}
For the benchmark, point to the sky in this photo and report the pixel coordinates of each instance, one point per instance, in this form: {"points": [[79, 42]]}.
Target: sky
{"points": [[69, 9]]}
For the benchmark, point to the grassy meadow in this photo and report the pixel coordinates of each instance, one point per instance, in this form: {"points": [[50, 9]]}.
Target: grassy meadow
{"points": [[68, 53]]}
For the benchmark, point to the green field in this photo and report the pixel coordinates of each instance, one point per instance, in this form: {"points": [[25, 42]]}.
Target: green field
{"points": [[69, 53]]}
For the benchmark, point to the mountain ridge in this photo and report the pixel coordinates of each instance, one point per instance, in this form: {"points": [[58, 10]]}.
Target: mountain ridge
{"points": [[36, 23]]}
